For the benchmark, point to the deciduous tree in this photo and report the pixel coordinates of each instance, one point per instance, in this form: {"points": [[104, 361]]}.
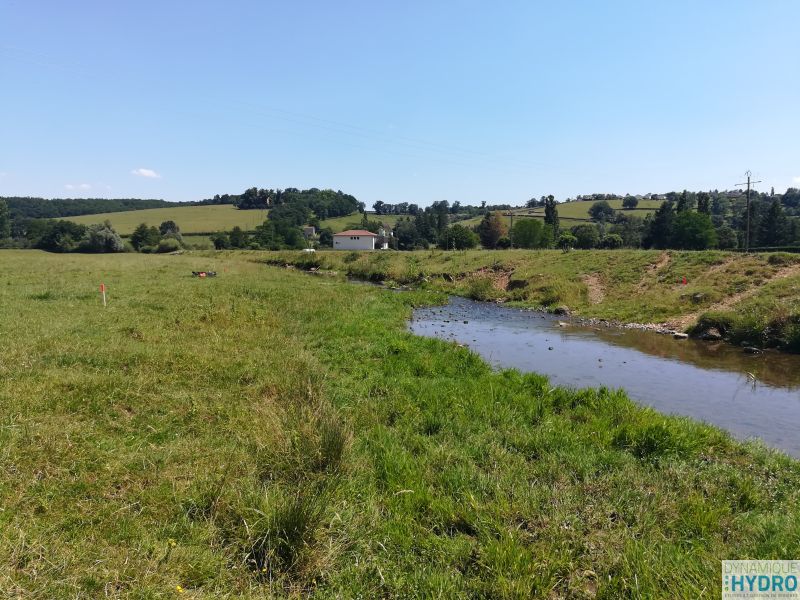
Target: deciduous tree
{"points": [[491, 229], [586, 236], [601, 211], [630, 202], [458, 237]]}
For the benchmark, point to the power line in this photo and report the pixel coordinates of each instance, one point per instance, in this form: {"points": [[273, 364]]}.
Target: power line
{"points": [[748, 183]]}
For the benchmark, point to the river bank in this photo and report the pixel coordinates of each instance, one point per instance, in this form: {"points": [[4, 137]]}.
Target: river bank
{"points": [[747, 300], [748, 395]]}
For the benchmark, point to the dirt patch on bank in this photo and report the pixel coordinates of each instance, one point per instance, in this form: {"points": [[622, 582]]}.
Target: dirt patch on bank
{"points": [[652, 271], [684, 321], [595, 288], [498, 275]]}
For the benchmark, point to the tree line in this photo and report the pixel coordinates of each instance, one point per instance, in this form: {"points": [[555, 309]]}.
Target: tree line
{"points": [[458, 210], [699, 221], [21, 208], [324, 203], [685, 220]]}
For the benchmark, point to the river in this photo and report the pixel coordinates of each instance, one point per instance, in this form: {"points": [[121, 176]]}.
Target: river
{"points": [[749, 395]]}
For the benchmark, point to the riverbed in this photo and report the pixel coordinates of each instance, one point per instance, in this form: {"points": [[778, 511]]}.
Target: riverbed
{"points": [[748, 395]]}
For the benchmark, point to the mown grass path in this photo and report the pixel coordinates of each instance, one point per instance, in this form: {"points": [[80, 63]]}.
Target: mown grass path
{"points": [[268, 434]]}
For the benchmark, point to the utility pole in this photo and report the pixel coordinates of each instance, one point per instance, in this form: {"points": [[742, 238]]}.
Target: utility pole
{"points": [[511, 228], [748, 183]]}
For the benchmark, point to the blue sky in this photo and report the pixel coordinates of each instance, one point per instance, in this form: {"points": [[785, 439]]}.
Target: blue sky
{"points": [[411, 101]]}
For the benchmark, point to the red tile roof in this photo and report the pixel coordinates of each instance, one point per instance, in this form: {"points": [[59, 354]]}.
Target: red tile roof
{"points": [[356, 232]]}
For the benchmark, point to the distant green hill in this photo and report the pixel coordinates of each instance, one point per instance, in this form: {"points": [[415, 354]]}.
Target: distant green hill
{"points": [[353, 221], [575, 211], [224, 217], [580, 210], [191, 219]]}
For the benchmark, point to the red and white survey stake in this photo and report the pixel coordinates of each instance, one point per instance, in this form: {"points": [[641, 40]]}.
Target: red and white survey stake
{"points": [[103, 291]]}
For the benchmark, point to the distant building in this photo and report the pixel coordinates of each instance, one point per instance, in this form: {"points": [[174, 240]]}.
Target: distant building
{"points": [[382, 242], [354, 239]]}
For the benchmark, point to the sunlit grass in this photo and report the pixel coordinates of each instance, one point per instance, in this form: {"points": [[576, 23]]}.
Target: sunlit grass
{"points": [[190, 219], [266, 433], [643, 286]]}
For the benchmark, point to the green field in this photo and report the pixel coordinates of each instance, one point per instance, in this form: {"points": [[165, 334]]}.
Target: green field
{"points": [[574, 211], [753, 298], [353, 221], [198, 241], [270, 434], [211, 218], [190, 219], [580, 210]]}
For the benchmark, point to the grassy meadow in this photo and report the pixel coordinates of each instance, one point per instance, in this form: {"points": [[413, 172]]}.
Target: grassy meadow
{"points": [[191, 219], [224, 217], [571, 212], [353, 221], [210, 218], [580, 209], [751, 298], [267, 433]]}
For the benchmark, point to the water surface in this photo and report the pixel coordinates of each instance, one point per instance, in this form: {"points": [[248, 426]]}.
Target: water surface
{"points": [[749, 395]]}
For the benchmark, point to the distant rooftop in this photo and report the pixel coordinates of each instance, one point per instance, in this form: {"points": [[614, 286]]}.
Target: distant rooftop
{"points": [[356, 232]]}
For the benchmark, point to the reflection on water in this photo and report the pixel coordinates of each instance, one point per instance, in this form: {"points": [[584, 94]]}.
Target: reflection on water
{"points": [[745, 394]]}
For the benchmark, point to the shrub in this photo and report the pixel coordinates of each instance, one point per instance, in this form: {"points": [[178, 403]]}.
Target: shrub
{"points": [[567, 240], [587, 236], [145, 236], [780, 259], [531, 233], [351, 257], [101, 238], [168, 245], [612, 241], [458, 237], [221, 241], [480, 288]]}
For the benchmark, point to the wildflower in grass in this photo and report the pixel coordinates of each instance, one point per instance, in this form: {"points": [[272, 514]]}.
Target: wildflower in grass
{"points": [[179, 589]]}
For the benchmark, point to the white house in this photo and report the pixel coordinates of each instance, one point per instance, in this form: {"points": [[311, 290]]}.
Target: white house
{"points": [[354, 239]]}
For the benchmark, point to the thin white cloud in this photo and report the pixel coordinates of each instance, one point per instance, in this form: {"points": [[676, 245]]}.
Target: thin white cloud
{"points": [[796, 179], [78, 186], [3, 174], [149, 173]]}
